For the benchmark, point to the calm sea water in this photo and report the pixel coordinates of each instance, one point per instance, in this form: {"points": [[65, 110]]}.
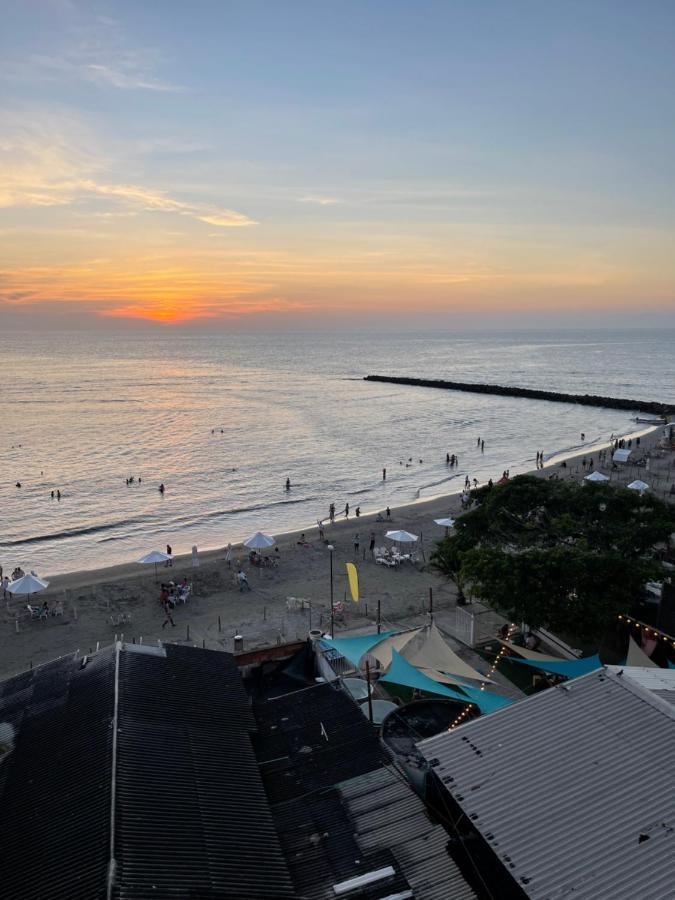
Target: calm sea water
{"points": [[82, 413]]}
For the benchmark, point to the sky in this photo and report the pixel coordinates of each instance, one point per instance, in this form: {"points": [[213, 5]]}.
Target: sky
{"points": [[219, 164]]}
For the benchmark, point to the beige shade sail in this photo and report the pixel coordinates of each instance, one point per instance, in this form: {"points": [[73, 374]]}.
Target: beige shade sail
{"points": [[450, 679], [382, 651], [636, 656], [534, 655], [431, 652]]}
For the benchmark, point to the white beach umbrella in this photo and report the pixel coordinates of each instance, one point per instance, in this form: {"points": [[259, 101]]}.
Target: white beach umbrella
{"points": [[638, 486], [596, 476], [27, 584], [259, 541], [155, 556], [404, 537], [447, 523]]}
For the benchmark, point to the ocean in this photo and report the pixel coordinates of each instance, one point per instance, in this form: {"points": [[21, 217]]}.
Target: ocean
{"points": [[222, 420]]}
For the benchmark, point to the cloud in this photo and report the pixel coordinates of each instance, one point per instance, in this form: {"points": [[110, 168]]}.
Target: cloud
{"points": [[320, 200], [126, 80], [92, 48], [39, 167]]}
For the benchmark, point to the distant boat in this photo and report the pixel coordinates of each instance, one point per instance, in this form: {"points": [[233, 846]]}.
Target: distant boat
{"points": [[650, 421]]}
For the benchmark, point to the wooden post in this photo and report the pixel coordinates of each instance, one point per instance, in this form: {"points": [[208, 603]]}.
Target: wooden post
{"points": [[431, 603], [370, 699]]}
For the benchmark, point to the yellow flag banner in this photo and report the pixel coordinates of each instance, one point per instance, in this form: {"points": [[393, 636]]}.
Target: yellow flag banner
{"points": [[353, 577]]}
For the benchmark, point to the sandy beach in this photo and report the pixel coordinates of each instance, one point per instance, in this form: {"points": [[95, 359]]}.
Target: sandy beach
{"points": [[101, 604]]}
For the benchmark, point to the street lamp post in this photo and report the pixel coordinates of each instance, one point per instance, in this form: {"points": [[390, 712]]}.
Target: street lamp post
{"points": [[332, 613]]}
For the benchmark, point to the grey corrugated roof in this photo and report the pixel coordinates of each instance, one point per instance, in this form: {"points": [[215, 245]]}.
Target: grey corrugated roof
{"points": [[191, 817], [659, 681], [573, 788], [387, 814]]}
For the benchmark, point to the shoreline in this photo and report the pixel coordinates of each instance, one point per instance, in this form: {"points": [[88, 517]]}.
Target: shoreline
{"points": [[434, 505], [98, 604]]}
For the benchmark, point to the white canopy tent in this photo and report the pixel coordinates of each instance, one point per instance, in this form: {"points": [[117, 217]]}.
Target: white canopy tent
{"points": [[27, 585], [638, 485], [403, 537], [259, 541], [621, 455], [596, 476], [154, 557]]}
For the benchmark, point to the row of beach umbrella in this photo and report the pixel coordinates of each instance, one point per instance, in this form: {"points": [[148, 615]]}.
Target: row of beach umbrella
{"points": [[32, 584], [636, 485]]}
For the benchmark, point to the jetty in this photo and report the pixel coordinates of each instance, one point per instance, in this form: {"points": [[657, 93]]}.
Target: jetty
{"points": [[647, 406]]}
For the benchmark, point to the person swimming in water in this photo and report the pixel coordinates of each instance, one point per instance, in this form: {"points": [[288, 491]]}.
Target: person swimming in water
{"points": [[161, 488]]}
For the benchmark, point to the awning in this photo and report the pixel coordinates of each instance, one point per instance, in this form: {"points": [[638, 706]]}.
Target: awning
{"points": [[353, 648], [569, 668], [401, 672], [382, 651], [636, 656], [621, 455], [430, 651], [525, 653]]}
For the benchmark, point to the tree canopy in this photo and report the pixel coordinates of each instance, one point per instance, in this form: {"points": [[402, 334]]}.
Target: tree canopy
{"points": [[558, 554]]}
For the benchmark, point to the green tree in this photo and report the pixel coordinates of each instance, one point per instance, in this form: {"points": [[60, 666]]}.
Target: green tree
{"points": [[558, 554]]}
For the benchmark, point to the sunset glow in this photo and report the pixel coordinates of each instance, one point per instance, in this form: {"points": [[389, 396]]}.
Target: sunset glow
{"points": [[153, 167]]}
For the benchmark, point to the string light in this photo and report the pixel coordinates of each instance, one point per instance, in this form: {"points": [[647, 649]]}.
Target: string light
{"points": [[502, 652], [465, 712], [648, 629]]}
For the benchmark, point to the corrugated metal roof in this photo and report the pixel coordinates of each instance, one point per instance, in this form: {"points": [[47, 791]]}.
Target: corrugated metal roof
{"points": [[190, 813], [55, 783], [311, 739], [192, 818], [338, 812], [387, 814], [659, 681], [573, 789]]}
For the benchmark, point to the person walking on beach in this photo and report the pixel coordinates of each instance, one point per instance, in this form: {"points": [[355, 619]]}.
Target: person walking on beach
{"points": [[169, 553], [447, 459], [384, 474], [371, 546], [5, 586], [322, 533], [478, 442], [346, 510], [228, 555], [331, 513], [165, 603], [288, 484], [357, 511], [482, 446], [58, 495], [243, 582], [357, 543], [388, 513]]}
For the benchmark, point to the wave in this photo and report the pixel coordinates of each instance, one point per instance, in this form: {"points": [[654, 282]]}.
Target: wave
{"points": [[70, 532], [431, 484]]}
